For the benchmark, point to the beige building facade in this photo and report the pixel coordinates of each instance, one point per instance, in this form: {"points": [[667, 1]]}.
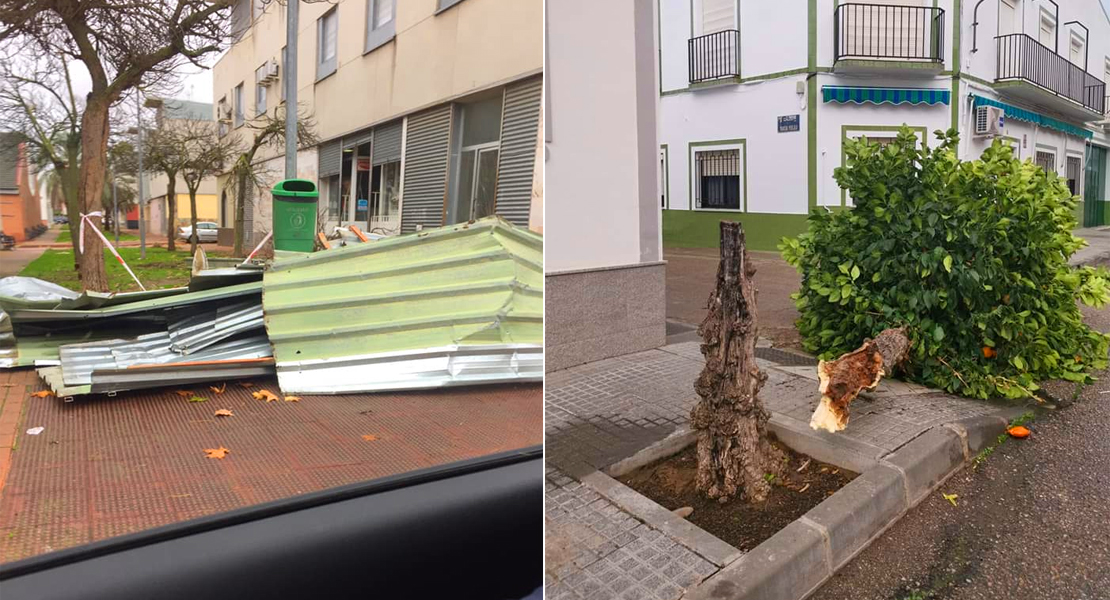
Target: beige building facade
{"points": [[428, 112]]}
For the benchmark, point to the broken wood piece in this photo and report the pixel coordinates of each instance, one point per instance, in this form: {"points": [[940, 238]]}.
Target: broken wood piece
{"points": [[358, 232], [843, 379], [320, 237]]}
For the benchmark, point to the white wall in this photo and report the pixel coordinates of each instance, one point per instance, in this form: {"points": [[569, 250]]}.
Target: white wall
{"points": [[592, 169], [776, 162]]}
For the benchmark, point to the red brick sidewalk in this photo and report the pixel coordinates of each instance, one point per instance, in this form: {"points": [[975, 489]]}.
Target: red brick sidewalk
{"points": [[109, 466]]}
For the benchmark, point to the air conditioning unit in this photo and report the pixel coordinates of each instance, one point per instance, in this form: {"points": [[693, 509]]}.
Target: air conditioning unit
{"points": [[272, 69], [224, 111], [989, 121]]}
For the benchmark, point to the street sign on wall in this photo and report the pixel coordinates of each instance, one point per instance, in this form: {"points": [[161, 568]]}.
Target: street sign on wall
{"points": [[789, 123]]}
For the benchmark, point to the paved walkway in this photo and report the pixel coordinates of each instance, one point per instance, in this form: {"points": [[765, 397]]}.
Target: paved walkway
{"points": [[601, 412], [13, 261], [1099, 248], [107, 466]]}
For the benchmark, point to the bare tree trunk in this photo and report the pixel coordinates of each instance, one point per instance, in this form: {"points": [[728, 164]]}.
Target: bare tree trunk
{"points": [[94, 150], [194, 237], [70, 194], [240, 213], [171, 212], [734, 453], [844, 378]]}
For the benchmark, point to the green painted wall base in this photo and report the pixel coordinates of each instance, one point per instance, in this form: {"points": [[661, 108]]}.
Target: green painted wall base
{"points": [[701, 229]]}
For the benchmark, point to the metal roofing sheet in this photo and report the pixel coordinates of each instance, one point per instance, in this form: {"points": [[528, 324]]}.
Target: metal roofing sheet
{"points": [[80, 361], [413, 311], [150, 304]]}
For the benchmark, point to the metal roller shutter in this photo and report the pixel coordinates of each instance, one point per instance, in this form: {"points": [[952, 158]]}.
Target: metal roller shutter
{"points": [[520, 123], [330, 158], [358, 139], [387, 143], [426, 153]]}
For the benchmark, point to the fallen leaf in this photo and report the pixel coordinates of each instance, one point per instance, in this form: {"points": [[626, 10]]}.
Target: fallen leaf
{"points": [[223, 412], [804, 465], [804, 488], [216, 452], [266, 395], [246, 384], [43, 394], [950, 497], [183, 393], [218, 390], [292, 398], [198, 399], [369, 438]]}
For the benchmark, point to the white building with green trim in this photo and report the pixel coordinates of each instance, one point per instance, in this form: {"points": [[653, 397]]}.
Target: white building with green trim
{"points": [[757, 98]]}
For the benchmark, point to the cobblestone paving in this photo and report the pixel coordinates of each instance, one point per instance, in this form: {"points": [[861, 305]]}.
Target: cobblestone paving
{"points": [[599, 413]]}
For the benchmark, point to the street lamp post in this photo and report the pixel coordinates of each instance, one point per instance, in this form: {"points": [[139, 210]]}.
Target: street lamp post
{"points": [[290, 83]]}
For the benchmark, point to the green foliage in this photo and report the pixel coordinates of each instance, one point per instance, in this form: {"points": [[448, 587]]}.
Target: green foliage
{"points": [[971, 256]]}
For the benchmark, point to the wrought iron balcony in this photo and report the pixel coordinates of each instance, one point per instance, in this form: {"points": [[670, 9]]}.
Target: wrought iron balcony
{"points": [[1022, 58], [888, 32], [714, 56]]}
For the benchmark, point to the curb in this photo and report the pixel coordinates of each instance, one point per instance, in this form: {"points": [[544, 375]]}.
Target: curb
{"points": [[795, 561]]}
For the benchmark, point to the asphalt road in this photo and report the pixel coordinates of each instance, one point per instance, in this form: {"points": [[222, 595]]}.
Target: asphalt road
{"points": [[1031, 521]]}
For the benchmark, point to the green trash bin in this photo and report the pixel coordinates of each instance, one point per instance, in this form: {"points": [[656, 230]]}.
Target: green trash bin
{"points": [[295, 215]]}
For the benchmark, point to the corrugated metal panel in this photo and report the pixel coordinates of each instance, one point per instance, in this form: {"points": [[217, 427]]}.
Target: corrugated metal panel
{"points": [[358, 138], [426, 152], [192, 332], [81, 361], [177, 300], [450, 306], [387, 143], [330, 157], [520, 123], [178, 374]]}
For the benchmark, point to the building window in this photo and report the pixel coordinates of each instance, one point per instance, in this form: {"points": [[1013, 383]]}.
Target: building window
{"points": [[1076, 50], [327, 38], [380, 27], [223, 116], [257, 8], [238, 100], [281, 75], [240, 19], [445, 4], [260, 90], [331, 192], [1046, 160], [717, 179], [1047, 35], [474, 176], [717, 15], [1074, 173], [1007, 17]]}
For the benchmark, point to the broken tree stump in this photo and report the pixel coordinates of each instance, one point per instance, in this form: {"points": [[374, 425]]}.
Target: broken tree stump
{"points": [[843, 379], [735, 454]]}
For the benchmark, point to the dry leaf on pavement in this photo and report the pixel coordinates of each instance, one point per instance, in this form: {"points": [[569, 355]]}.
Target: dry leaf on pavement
{"points": [[216, 452], [218, 390], [369, 438], [43, 394], [292, 398], [246, 384], [266, 395], [183, 393], [198, 399], [950, 497], [223, 412]]}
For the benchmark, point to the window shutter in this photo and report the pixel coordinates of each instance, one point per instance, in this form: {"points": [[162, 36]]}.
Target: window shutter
{"points": [[426, 154], [717, 15], [330, 159], [520, 121], [358, 139], [387, 143]]}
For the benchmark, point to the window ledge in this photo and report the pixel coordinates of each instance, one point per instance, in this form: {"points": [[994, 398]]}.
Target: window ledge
{"points": [[378, 44], [448, 7], [320, 78]]}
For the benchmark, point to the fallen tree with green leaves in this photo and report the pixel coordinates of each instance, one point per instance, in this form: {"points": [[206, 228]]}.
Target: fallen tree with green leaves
{"points": [[969, 257]]}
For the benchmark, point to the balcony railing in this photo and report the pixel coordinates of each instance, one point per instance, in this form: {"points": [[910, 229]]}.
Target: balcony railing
{"points": [[1021, 57], [888, 32], [714, 56]]}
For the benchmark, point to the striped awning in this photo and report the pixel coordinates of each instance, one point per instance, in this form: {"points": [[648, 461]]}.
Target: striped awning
{"points": [[859, 95], [1013, 112]]}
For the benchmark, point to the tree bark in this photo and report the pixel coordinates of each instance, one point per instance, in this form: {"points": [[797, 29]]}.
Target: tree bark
{"points": [[193, 237], [171, 211], [94, 150], [70, 185], [841, 380], [735, 455], [240, 213]]}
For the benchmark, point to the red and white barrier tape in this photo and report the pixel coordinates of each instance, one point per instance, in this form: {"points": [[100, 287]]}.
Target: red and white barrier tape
{"points": [[257, 248], [81, 242]]}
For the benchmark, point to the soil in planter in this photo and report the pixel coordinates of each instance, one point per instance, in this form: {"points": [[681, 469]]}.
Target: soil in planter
{"points": [[670, 483]]}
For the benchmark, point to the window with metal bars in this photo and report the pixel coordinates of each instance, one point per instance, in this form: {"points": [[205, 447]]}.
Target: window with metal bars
{"points": [[717, 179]]}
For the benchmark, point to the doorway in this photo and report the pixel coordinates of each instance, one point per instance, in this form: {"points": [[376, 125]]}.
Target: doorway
{"points": [[1094, 201]]}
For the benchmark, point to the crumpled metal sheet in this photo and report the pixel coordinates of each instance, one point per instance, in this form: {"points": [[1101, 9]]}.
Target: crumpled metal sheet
{"points": [[456, 305], [446, 366], [148, 305], [180, 373], [81, 362], [192, 332]]}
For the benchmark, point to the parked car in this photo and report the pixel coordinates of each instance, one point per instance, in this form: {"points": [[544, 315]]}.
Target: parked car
{"points": [[61, 219], [7, 242], [206, 232]]}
